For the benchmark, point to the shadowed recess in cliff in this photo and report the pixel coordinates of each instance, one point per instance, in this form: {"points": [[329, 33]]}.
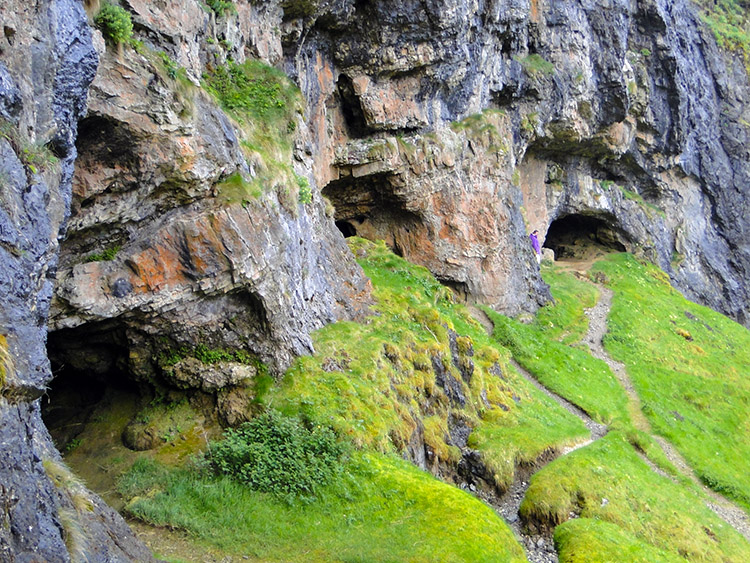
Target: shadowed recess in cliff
{"points": [[351, 108], [370, 207], [573, 235], [87, 365]]}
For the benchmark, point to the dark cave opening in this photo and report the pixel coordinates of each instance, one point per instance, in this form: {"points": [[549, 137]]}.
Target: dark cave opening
{"points": [[89, 368], [576, 236], [346, 228], [351, 108], [105, 140]]}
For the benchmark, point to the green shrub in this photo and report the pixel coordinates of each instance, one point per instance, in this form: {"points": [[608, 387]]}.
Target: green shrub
{"points": [[104, 256], [115, 23], [280, 455], [221, 7], [252, 88], [305, 193]]}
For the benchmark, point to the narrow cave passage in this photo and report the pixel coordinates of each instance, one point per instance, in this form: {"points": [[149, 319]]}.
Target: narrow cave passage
{"points": [[577, 237]]}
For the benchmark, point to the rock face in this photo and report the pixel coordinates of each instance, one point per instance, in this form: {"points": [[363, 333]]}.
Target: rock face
{"points": [[626, 114], [449, 128], [47, 64]]}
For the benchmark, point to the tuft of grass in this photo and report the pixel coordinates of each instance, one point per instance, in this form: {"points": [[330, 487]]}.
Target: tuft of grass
{"points": [[728, 20], [384, 510], [535, 64], [115, 23], [75, 536], [607, 481], [693, 391], [36, 157], [221, 7], [104, 256], [69, 484], [6, 361], [649, 208]]}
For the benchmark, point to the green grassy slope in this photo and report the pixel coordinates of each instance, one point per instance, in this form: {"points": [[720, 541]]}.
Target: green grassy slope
{"points": [[375, 383], [378, 382], [544, 348], [607, 481], [689, 365], [386, 511]]}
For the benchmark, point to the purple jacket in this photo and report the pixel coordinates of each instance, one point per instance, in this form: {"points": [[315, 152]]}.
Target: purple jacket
{"points": [[535, 243]]}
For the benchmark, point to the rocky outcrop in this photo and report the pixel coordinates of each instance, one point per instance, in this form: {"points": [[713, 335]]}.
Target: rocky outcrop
{"points": [[169, 246], [47, 64], [627, 114]]}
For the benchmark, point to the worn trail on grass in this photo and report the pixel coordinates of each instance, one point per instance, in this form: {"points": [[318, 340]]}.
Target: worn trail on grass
{"points": [[538, 545], [722, 507]]}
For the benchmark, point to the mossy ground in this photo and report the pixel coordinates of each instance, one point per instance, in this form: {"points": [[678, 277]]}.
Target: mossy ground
{"points": [[689, 366], [607, 481], [386, 511]]}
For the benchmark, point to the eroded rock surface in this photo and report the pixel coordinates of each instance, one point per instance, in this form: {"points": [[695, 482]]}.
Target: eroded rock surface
{"points": [[47, 64]]}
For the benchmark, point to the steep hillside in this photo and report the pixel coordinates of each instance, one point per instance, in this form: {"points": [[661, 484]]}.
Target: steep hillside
{"points": [[423, 379], [176, 183]]}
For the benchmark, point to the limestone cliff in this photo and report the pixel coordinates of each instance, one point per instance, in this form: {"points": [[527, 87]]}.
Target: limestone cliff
{"points": [[449, 128]]}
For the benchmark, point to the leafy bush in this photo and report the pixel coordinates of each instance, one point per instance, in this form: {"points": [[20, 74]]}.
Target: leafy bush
{"points": [[115, 23], [221, 7], [280, 455]]}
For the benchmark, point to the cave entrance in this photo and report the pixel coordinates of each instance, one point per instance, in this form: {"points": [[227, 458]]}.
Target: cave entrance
{"points": [[346, 228], [581, 237], [90, 378]]}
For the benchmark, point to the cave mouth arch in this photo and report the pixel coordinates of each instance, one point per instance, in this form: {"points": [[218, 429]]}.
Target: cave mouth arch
{"points": [[579, 236], [346, 228]]}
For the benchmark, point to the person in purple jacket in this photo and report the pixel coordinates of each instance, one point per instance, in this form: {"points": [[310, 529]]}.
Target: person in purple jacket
{"points": [[537, 247]]}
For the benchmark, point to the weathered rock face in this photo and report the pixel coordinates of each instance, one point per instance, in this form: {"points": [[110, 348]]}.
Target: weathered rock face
{"points": [[448, 128], [47, 64], [626, 113], [192, 266]]}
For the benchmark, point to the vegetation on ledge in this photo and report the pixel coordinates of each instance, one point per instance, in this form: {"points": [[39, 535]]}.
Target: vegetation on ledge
{"points": [[265, 104]]}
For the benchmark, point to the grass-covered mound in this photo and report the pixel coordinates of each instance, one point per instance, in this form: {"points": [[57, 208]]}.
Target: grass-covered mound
{"points": [[607, 481], [422, 359], [545, 348], [583, 540], [383, 510], [689, 365]]}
